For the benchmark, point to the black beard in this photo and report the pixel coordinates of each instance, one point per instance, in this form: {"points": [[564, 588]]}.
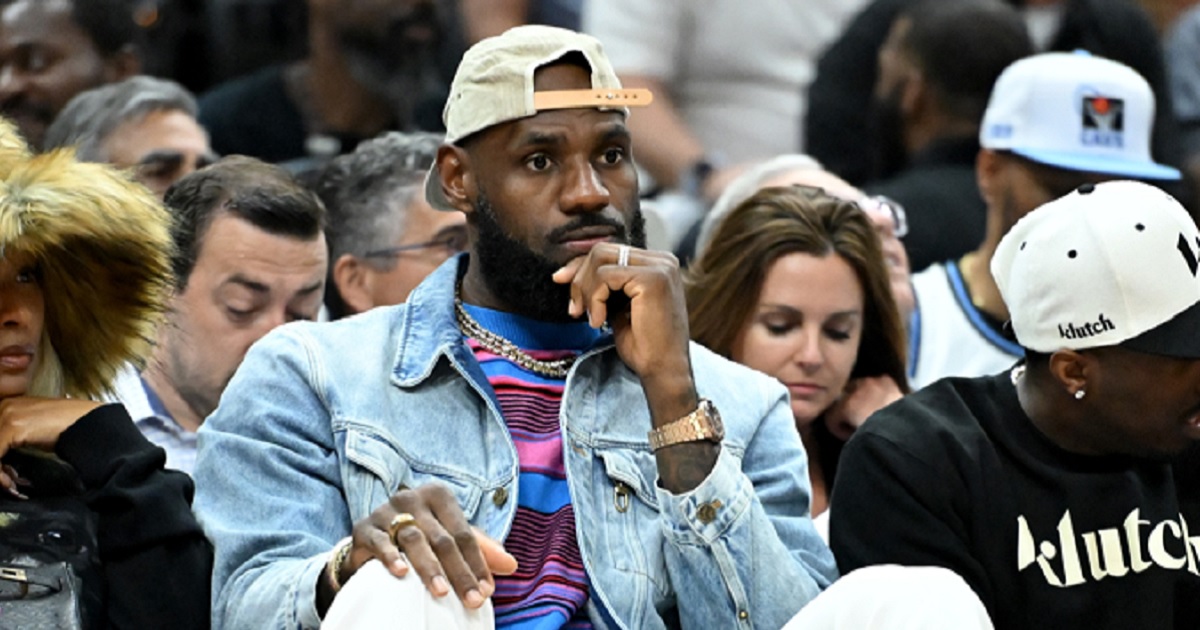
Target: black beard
{"points": [[392, 66], [519, 277]]}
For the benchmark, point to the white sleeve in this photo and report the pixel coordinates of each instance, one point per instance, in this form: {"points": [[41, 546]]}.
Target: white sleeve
{"points": [[640, 37]]}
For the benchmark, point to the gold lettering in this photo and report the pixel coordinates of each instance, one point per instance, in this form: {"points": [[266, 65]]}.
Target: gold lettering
{"points": [[1109, 559], [1105, 549], [1134, 537], [1191, 546], [1158, 550], [1027, 554], [1072, 568]]}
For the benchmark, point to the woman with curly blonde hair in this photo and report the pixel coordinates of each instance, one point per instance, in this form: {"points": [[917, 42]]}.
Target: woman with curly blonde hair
{"points": [[93, 532]]}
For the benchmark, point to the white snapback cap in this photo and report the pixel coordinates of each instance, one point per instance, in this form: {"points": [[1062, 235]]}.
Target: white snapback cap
{"points": [[1077, 112], [494, 85], [1108, 264]]}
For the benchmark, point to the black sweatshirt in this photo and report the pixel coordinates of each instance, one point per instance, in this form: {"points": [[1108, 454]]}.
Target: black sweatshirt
{"points": [[155, 564], [957, 476]]}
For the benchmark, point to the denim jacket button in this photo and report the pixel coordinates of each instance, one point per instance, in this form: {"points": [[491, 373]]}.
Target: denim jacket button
{"points": [[500, 497], [707, 513]]}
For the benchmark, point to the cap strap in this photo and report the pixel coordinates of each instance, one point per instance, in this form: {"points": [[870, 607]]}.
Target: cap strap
{"points": [[569, 99]]}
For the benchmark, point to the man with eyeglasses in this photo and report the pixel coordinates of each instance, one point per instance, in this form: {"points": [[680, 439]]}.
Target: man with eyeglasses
{"points": [[383, 236]]}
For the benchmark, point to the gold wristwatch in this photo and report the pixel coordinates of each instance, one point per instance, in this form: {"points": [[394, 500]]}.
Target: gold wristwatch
{"points": [[702, 424]]}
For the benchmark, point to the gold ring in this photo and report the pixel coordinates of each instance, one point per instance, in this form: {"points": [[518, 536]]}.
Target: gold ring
{"points": [[399, 522]]}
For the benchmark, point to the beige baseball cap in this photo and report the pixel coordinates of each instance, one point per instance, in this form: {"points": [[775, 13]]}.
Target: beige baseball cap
{"points": [[494, 84]]}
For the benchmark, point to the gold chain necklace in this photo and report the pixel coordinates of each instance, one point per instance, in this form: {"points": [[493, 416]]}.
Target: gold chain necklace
{"points": [[500, 346]]}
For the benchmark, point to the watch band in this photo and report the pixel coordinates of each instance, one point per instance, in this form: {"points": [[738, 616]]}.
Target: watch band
{"points": [[702, 424]]}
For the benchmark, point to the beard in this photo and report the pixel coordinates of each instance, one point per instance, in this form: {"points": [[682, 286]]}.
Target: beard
{"points": [[885, 132], [519, 277], [392, 65]]}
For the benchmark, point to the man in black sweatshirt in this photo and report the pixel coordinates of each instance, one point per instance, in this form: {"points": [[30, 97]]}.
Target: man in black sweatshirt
{"points": [[1048, 487]]}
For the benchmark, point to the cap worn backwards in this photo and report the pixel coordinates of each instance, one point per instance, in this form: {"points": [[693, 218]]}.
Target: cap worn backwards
{"points": [[494, 84], [1077, 112], [1109, 264]]}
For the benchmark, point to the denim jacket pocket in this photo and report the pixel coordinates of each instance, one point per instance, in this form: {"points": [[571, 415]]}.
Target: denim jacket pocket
{"points": [[382, 469], [633, 534], [634, 470]]}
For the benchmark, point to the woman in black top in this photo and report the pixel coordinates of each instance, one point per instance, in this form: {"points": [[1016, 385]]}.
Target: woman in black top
{"points": [[93, 532]]}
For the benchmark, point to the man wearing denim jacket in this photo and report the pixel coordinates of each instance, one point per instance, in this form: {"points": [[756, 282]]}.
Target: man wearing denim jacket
{"points": [[667, 489]]}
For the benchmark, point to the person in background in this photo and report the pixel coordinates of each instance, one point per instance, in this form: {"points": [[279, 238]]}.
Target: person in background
{"points": [[51, 50], [383, 236], [936, 71], [1182, 52], [840, 94], [486, 18], [143, 123], [95, 533], [1055, 121], [729, 83], [249, 256], [889, 218], [792, 283], [371, 67]]}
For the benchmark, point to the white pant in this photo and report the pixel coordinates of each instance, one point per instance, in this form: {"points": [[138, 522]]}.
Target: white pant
{"points": [[887, 597], [892, 597], [376, 599]]}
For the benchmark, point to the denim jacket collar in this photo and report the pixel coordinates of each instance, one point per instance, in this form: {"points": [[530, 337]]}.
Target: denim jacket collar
{"points": [[428, 328]]}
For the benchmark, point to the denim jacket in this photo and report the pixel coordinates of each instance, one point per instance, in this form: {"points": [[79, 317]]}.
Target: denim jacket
{"points": [[323, 422]]}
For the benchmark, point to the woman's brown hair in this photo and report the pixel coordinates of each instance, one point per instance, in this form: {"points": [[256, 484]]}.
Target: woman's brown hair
{"points": [[723, 284]]}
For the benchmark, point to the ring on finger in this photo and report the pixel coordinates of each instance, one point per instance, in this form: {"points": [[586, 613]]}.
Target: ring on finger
{"points": [[399, 522], [623, 256]]}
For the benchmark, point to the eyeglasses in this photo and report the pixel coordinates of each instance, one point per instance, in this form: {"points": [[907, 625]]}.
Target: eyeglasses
{"points": [[888, 210], [450, 244]]}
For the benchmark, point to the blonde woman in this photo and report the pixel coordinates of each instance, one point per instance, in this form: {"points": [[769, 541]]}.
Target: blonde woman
{"points": [[93, 532]]}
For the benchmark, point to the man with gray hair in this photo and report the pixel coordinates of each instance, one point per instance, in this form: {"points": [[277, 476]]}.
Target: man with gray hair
{"points": [[383, 236], [143, 123]]}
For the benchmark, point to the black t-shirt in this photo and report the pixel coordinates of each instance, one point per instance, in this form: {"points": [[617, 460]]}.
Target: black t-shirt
{"points": [[946, 214], [957, 476], [254, 116]]}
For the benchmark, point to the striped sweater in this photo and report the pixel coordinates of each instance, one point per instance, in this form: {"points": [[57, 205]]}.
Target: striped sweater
{"points": [[550, 588]]}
